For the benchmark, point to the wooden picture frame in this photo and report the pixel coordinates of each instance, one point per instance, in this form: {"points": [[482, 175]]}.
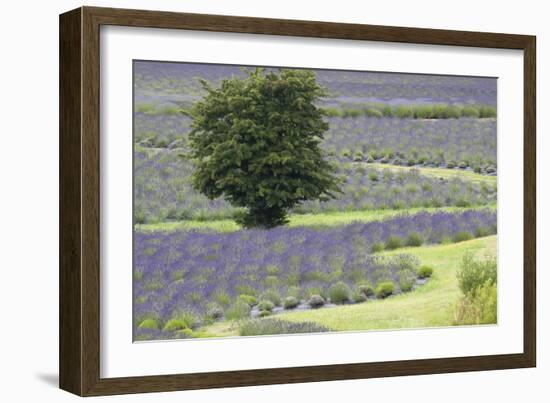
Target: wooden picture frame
{"points": [[79, 348]]}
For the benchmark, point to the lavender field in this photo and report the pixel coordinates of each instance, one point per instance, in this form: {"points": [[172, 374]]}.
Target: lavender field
{"points": [[399, 142]]}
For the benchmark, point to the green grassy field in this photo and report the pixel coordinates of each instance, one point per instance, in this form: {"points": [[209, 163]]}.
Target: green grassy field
{"points": [[430, 305], [299, 220]]}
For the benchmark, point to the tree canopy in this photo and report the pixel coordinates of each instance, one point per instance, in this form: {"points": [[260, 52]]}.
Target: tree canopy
{"points": [[256, 142]]}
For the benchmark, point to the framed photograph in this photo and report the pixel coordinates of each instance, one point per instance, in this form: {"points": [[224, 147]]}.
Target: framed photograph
{"points": [[249, 201]]}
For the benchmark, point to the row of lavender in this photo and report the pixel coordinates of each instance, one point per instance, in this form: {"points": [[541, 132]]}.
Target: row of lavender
{"points": [[179, 82], [198, 275], [436, 142], [162, 190]]}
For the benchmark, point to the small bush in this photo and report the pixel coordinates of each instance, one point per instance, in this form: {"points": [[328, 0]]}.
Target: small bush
{"points": [[150, 324], [238, 310], [373, 176], [339, 293], [478, 309], [414, 239], [393, 242], [366, 289], [214, 312], [462, 165], [424, 272], [377, 247], [384, 289], [373, 113], [358, 297], [451, 164], [470, 112], [290, 302], [406, 282], [462, 236], [273, 296], [474, 274], [316, 301], [403, 111], [249, 299], [265, 313], [265, 305], [181, 320]]}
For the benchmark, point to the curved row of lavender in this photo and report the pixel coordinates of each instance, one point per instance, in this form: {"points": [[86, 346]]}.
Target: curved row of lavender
{"points": [[187, 273], [162, 190]]}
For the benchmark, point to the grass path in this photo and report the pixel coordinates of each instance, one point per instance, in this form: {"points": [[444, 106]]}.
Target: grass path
{"points": [[299, 220], [443, 173], [428, 306]]}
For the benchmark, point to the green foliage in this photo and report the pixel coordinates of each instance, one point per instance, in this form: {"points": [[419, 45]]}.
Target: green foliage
{"points": [[256, 141], [414, 239], [384, 289], [393, 242], [238, 310], [462, 236], [290, 302], [474, 274], [265, 305], [273, 296], [377, 247], [406, 281], [478, 309], [151, 324], [316, 301], [366, 289], [181, 320], [339, 293], [249, 299], [424, 272]]}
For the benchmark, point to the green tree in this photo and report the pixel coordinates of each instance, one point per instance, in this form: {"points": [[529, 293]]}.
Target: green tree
{"points": [[256, 141]]}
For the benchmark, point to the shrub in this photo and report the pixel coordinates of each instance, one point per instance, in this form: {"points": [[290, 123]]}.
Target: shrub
{"points": [[257, 327], [316, 301], [487, 112], [339, 293], [358, 297], [265, 305], [249, 299], [214, 312], [291, 302], [451, 164], [373, 176], [273, 296], [462, 165], [294, 291], [265, 313], [474, 274], [373, 113], [384, 289], [478, 309], [393, 242], [424, 272], [403, 111], [462, 236], [406, 282], [181, 320], [414, 239], [377, 247], [238, 310], [470, 112], [150, 324], [366, 289]]}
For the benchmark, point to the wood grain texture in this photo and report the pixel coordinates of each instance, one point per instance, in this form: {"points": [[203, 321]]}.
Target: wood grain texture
{"points": [[70, 270], [80, 201]]}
